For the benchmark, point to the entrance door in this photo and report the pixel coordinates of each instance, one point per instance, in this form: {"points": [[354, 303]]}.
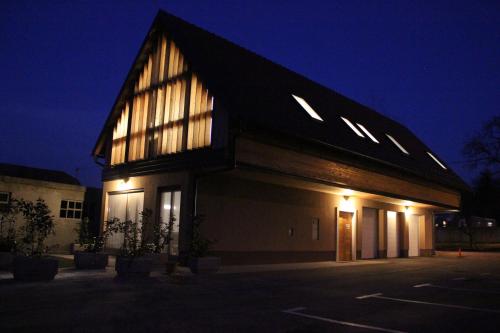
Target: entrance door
{"points": [[369, 233], [413, 250], [392, 235], [123, 206], [345, 236]]}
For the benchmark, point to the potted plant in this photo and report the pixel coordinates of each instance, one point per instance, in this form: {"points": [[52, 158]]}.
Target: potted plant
{"points": [[162, 240], [7, 235], [39, 224], [133, 260], [90, 255], [199, 261]]}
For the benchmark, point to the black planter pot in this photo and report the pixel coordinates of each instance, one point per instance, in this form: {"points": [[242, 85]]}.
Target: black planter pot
{"points": [[6, 259], [90, 260], [204, 265], [170, 267], [127, 267], [34, 268]]}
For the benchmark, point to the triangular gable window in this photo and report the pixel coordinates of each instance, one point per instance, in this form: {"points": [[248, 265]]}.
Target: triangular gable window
{"points": [[169, 111]]}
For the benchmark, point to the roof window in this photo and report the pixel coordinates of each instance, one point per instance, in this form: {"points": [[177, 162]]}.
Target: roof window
{"points": [[307, 108], [358, 133], [367, 133], [437, 161], [397, 144]]}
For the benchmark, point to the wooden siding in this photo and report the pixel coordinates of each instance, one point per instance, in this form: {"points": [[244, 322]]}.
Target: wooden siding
{"points": [[293, 163], [120, 137], [171, 109]]}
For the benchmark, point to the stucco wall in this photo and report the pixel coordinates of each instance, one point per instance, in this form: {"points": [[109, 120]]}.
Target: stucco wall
{"points": [[250, 221], [52, 193]]}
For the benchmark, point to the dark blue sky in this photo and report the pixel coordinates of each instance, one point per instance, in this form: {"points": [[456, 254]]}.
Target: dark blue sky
{"points": [[431, 65]]}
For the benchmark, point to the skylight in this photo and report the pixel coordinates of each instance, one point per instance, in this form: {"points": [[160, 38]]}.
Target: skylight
{"points": [[367, 133], [397, 144], [307, 107], [352, 127], [437, 161]]}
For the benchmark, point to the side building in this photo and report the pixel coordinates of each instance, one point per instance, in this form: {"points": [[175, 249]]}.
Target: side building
{"points": [[282, 168], [62, 193]]}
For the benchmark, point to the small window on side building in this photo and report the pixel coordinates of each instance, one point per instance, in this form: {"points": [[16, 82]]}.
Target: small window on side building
{"points": [[70, 209]]}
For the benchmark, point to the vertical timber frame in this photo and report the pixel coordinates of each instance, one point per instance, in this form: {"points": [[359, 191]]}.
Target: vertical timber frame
{"points": [[185, 123], [129, 124]]}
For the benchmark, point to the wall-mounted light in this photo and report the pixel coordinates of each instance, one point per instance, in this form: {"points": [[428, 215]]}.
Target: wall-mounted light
{"points": [[124, 184]]}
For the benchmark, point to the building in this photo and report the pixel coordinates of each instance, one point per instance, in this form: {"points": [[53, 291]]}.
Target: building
{"points": [[282, 168], [62, 193]]}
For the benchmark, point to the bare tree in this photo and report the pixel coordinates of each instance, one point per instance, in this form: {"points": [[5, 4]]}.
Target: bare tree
{"points": [[483, 149]]}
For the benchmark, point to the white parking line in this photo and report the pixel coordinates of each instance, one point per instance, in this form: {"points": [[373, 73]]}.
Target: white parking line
{"points": [[457, 289], [379, 296], [295, 312]]}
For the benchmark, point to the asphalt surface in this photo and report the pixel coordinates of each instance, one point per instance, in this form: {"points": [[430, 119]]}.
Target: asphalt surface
{"points": [[439, 294]]}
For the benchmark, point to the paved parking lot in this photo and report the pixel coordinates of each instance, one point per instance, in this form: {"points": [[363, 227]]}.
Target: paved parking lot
{"points": [[437, 294]]}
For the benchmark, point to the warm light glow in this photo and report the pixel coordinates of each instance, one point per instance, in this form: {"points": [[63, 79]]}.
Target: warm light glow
{"points": [[307, 108], [367, 133], [437, 161], [166, 206], [352, 127], [408, 212], [124, 184], [348, 192], [347, 204], [397, 144]]}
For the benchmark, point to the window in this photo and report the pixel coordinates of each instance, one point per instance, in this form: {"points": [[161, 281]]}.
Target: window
{"points": [[436, 160], [154, 117], [367, 133], [358, 133], [71, 209], [4, 197], [397, 144], [123, 206], [170, 206], [315, 229], [307, 108]]}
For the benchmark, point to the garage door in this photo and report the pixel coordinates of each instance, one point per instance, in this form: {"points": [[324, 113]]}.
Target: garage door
{"points": [[392, 235], [413, 235], [369, 233], [123, 206]]}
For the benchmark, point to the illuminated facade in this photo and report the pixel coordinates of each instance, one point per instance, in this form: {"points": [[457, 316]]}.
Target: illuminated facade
{"points": [[283, 169]]}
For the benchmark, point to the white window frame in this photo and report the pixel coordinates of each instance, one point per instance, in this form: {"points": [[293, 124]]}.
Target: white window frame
{"points": [[68, 209], [8, 197]]}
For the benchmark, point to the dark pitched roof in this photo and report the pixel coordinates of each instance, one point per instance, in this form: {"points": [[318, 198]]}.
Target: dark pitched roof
{"points": [[257, 91], [21, 171]]}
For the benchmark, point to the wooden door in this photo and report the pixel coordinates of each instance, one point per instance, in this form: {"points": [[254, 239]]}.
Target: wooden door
{"points": [[345, 236]]}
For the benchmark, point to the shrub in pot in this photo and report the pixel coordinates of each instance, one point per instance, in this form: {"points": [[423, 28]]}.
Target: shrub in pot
{"points": [[133, 259], [39, 224], [199, 261], [162, 240], [7, 235], [90, 255]]}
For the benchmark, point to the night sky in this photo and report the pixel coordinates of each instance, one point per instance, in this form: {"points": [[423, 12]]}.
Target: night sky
{"points": [[431, 65]]}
